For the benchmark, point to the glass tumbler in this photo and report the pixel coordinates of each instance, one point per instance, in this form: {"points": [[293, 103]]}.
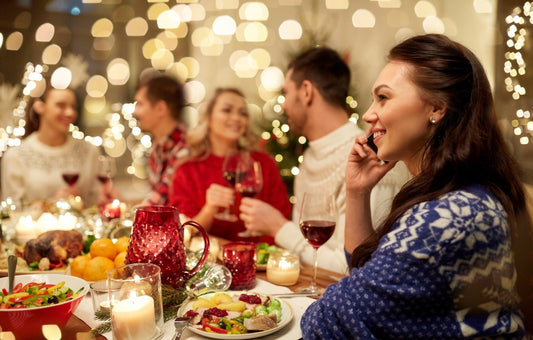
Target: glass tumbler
{"points": [[239, 258]]}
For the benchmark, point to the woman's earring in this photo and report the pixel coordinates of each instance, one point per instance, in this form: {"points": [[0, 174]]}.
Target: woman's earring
{"points": [[432, 120]]}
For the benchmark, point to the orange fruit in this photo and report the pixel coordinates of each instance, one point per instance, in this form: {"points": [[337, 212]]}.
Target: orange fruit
{"points": [[103, 247], [120, 260], [77, 266], [96, 269], [122, 244]]}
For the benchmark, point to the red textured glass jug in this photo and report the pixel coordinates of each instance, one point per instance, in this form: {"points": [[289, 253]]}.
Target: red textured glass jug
{"points": [[157, 237]]}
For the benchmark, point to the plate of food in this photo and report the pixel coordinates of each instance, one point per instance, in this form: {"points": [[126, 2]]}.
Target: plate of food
{"points": [[236, 315]]}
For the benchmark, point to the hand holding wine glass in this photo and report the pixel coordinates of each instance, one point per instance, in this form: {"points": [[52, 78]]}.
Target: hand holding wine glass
{"points": [[234, 165], [249, 184], [318, 216]]}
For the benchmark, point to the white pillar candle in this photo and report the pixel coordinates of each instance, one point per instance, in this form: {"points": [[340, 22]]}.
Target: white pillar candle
{"points": [[134, 318]]}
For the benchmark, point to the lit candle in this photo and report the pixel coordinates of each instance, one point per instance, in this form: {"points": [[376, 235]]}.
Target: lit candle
{"points": [[26, 229], [134, 318], [112, 210], [283, 268]]}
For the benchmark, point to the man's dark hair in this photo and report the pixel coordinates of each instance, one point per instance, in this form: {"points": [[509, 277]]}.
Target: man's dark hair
{"points": [[167, 89], [323, 67]]}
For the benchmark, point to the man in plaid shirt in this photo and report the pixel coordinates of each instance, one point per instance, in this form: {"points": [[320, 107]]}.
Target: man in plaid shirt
{"points": [[159, 101]]}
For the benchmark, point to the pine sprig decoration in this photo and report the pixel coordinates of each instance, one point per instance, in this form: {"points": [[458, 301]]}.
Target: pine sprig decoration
{"points": [[101, 329]]}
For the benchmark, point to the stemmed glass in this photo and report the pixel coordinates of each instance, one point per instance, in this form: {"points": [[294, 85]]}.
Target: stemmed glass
{"points": [[106, 168], [250, 185], [318, 216], [71, 172], [235, 164]]}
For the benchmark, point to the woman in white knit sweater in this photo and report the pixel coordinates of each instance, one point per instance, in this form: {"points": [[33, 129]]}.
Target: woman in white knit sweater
{"points": [[33, 170]]}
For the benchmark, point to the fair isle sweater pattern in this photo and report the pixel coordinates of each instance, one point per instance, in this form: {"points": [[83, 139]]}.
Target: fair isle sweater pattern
{"points": [[445, 271]]}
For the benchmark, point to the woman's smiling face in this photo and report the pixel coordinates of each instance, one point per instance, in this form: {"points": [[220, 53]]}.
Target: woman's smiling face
{"points": [[399, 116], [228, 120]]}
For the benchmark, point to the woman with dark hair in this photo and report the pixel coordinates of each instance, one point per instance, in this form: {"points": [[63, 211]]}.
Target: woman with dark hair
{"points": [[33, 171], [453, 259], [199, 189]]}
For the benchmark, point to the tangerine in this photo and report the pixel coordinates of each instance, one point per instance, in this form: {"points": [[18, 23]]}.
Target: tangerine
{"points": [[122, 244], [77, 266], [103, 247], [120, 259], [96, 269]]}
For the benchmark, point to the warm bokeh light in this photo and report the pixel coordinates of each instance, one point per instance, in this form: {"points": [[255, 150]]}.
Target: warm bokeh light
{"points": [[169, 40], [184, 12], [262, 57], [14, 41], [61, 78], [52, 54], [193, 66], [194, 91], [1, 39], [272, 78], [96, 86], [137, 27], [425, 9], [290, 30], [94, 105], [150, 46], [202, 36], [224, 25], [197, 12], [390, 4], [252, 32], [433, 25], [178, 70], [253, 11], [483, 6], [118, 71], [162, 59], [363, 18], [45, 32], [102, 28], [155, 10], [168, 20], [337, 4], [226, 4]]}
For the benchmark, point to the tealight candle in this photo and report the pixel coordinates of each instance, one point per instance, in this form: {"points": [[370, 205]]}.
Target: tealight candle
{"points": [[283, 268], [112, 210], [134, 318]]}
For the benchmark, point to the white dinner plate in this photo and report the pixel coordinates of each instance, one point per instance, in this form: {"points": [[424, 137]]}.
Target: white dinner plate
{"points": [[286, 317]]}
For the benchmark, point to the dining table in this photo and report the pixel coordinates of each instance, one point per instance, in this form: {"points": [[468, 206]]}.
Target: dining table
{"points": [[78, 329], [82, 321]]}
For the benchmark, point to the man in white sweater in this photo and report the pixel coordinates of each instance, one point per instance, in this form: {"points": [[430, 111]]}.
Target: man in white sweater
{"points": [[315, 88]]}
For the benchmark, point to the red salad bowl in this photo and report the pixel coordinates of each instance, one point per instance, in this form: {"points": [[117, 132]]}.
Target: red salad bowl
{"points": [[26, 323]]}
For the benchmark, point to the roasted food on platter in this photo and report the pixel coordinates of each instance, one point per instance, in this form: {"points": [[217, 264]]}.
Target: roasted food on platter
{"points": [[56, 245]]}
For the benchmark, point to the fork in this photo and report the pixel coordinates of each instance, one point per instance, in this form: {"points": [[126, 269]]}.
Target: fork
{"points": [[180, 324]]}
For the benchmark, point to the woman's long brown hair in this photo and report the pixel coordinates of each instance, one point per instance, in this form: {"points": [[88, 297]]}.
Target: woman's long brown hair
{"points": [[467, 147]]}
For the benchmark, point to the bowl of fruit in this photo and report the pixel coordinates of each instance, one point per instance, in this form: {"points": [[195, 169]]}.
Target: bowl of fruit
{"points": [[38, 300]]}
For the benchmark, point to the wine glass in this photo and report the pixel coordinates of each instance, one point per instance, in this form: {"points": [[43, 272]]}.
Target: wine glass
{"points": [[106, 168], [249, 184], [71, 172], [235, 164], [318, 216]]}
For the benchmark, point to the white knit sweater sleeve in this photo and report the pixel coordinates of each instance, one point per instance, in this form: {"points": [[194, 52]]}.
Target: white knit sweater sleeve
{"points": [[12, 174]]}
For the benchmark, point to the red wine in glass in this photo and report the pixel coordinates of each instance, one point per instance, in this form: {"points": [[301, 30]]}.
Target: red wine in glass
{"points": [[231, 176], [317, 232], [248, 192], [70, 178], [103, 178]]}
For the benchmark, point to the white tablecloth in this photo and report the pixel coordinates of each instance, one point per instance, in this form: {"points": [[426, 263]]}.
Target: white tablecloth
{"points": [[290, 332]]}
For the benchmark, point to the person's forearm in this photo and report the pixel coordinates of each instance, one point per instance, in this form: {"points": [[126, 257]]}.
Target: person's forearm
{"points": [[358, 220], [205, 217]]}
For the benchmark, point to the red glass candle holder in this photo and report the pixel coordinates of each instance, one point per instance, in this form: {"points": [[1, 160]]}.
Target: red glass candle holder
{"points": [[239, 258]]}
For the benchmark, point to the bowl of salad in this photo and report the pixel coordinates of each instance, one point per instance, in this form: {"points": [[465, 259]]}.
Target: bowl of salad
{"points": [[37, 300]]}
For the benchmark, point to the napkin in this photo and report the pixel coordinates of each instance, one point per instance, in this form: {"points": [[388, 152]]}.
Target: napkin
{"points": [[290, 332]]}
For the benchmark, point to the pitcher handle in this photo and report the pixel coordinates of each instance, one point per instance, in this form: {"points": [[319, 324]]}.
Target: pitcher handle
{"points": [[203, 258]]}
